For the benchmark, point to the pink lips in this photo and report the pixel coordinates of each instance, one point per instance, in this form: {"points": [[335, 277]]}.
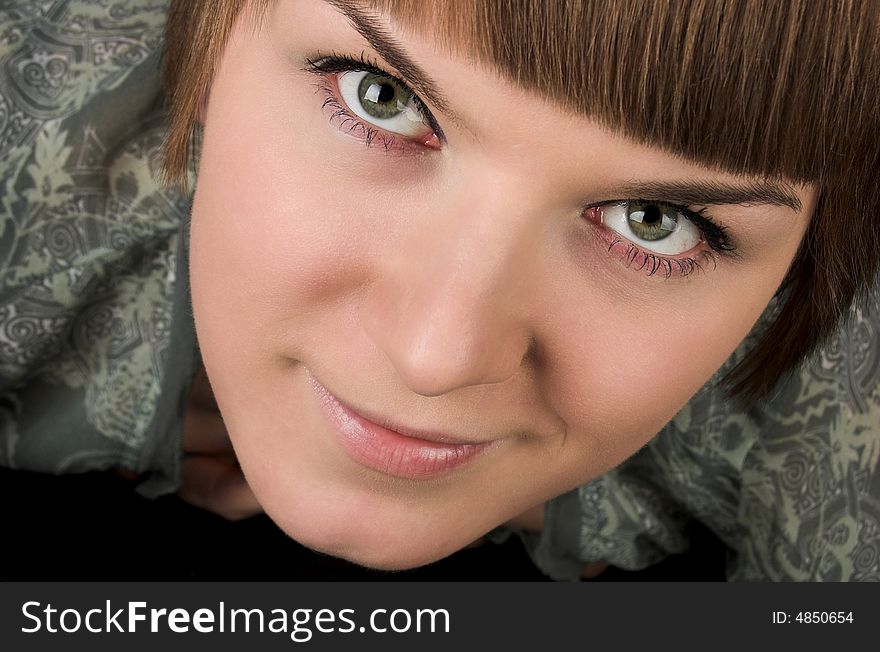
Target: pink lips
{"points": [[390, 451]]}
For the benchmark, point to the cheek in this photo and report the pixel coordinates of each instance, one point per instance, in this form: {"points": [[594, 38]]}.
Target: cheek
{"points": [[637, 364], [272, 234], [258, 211]]}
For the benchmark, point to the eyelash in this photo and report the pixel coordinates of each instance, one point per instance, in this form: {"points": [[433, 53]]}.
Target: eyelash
{"points": [[326, 66], [713, 234]]}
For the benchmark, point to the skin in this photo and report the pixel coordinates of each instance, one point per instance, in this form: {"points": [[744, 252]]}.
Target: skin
{"points": [[458, 290]]}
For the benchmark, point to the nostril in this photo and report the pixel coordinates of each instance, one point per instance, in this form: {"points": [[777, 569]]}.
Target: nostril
{"points": [[446, 322], [437, 363]]}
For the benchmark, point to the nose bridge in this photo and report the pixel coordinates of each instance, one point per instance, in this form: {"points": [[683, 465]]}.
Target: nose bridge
{"points": [[481, 252], [452, 309]]}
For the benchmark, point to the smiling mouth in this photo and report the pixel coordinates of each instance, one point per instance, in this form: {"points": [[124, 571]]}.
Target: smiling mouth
{"points": [[414, 455]]}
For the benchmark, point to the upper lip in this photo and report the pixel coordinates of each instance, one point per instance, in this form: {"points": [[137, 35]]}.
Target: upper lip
{"points": [[416, 433], [430, 435]]}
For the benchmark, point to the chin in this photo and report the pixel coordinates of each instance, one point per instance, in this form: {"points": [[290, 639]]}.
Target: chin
{"points": [[371, 545], [382, 560]]}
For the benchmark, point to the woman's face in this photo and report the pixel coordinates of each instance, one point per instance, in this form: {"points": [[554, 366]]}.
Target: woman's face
{"points": [[487, 291]]}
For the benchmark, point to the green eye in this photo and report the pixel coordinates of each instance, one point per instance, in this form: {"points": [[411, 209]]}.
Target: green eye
{"points": [[653, 226], [381, 97], [382, 101], [651, 222]]}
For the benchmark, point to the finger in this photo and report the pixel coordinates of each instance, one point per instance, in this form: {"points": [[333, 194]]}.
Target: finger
{"points": [[200, 394], [217, 486], [126, 474], [204, 432], [593, 569]]}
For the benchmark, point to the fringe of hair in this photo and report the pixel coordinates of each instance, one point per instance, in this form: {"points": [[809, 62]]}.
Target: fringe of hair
{"points": [[771, 88]]}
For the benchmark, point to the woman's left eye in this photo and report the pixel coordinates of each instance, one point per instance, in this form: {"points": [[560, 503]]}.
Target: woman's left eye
{"points": [[383, 102], [656, 227]]}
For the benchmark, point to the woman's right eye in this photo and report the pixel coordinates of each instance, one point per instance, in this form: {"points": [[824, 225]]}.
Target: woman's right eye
{"points": [[382, 102], [374, 105]]}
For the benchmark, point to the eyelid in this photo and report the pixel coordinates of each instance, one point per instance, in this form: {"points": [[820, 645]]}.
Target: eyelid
{"points": [[339, 63], [640, 258], [715, 234]]}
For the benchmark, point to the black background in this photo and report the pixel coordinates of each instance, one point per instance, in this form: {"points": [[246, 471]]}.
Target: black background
{"points": [[95, 527]]}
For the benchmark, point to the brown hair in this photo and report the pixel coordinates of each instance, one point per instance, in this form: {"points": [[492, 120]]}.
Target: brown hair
{"points": [[783, 89]]}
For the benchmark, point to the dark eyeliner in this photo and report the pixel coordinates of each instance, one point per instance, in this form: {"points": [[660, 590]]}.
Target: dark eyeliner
{"points": [[714, 234], [339, 63]]}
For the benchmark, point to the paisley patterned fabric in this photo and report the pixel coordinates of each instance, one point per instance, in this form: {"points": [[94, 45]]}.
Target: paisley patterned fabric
{"points": [[89, 243], [792, 486], [97, 351]]}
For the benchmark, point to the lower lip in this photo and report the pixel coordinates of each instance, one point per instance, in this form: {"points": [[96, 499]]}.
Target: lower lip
{"points": [[388, 451]]}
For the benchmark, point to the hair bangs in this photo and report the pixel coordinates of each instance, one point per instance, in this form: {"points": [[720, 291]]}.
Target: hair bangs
{"points": [[782, 89], [746, 87]]}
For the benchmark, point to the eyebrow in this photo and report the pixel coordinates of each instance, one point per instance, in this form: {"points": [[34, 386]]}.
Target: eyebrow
{"points": [[715, 193], [376, 34], [709, 193]]}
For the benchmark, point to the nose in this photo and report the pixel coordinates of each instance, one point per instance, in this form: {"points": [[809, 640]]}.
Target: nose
{"points": [[450, 303]]}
